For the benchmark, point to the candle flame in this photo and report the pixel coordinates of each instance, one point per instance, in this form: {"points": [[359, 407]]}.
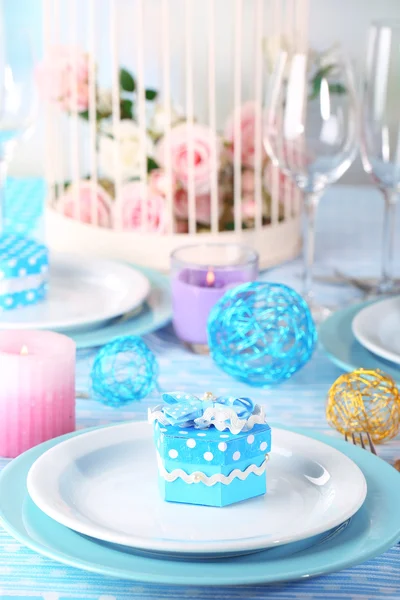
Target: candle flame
{"points": [[210, 278], [24, 350]]}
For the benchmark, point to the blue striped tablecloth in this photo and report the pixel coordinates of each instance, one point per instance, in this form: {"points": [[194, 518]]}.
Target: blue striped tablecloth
{"points": [[348, 235]]}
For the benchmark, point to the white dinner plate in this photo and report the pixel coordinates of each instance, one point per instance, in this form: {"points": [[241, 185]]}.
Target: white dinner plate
{"points": [[104, 484], [377, 328], [83, 293]]}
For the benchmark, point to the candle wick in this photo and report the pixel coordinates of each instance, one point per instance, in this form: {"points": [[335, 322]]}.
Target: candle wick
{"points": [[24, 350]]}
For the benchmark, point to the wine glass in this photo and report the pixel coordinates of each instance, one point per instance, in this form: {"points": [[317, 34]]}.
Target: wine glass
{"points": [[380, 131], [310, 134], [18, 98]]}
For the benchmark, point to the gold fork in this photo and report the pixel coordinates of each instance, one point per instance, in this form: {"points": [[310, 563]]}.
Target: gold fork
{"points": [[358, 439]]}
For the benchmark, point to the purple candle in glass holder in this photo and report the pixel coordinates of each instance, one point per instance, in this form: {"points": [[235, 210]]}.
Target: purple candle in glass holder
{"points": [[201, 274]]}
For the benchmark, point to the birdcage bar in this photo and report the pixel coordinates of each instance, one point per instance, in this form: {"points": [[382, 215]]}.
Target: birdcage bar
{"points": [[141, 105], [190, 113], [212, 117], [92, 109], [116, 114], [237, 136], [258, 77], [166, 84], [73, 105]]}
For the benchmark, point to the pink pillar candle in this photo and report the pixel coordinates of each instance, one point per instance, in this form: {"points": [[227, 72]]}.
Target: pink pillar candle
{"points": [[37, 389]]}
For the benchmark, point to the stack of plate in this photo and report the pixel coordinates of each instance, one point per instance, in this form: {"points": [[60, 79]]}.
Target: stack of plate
{"points": [[366, 335], [90, 499], [96, 300]]}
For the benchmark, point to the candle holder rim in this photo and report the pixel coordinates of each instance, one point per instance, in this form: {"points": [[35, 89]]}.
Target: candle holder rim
{"points": [[252, 257]]}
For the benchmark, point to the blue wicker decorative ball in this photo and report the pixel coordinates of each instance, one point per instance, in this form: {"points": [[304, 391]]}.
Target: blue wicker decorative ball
{"points": [[123, 371], [261, 333]]}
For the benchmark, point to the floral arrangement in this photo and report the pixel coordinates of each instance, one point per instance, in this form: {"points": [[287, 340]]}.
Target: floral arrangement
{"points": [[63, 79]]}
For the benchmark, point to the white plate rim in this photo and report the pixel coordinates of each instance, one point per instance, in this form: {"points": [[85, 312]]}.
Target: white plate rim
{"points": [[134, 277], [372, 314], [172, 546]]}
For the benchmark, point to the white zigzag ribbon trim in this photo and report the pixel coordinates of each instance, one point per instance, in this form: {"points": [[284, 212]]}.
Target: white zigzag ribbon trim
{"points": [[200, 477], [226, 418], [222, 419]]}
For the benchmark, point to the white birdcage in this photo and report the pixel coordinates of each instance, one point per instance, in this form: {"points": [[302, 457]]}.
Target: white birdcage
{"points": [[154, 126]]}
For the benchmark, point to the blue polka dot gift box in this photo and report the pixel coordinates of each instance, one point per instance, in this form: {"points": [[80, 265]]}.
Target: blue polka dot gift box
{"points": [[23, 271], [210, 451]]}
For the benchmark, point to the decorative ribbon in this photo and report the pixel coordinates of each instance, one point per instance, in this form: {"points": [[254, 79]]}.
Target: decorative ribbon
{"points": [[14, 285], [224, 412], [210, 480]]}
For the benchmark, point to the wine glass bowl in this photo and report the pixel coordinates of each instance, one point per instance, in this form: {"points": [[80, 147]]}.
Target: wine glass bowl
{"points": [[310, 132], [380, 131]]}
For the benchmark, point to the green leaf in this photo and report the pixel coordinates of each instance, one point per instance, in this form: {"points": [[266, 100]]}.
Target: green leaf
{"points": [[317, 79], [126, 109], [337, 88], [126, 81], [85, 115], [151, 164], [151, 94]]}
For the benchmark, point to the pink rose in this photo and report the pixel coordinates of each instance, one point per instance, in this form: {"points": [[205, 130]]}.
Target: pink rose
{"points": [[79, 197], [248, 182], [177, 142], [181, 226], [248, 209], [63, 78], [246, 116], [132, 194], [160, 183], [203, 207]]}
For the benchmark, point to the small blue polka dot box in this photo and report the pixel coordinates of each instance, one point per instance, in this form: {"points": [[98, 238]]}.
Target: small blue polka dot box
{"points": [[210, 451], [23, 271]]}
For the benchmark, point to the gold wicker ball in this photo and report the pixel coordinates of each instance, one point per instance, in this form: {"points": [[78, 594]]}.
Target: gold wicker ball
{"points": [[365, 401]]}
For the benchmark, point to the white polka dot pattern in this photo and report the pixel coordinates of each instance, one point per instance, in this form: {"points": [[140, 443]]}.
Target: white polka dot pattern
{"points": [[173, 453], [250, 439], [222, 446], [263, 446], [208, 456], [236, 455], [191, 443]]}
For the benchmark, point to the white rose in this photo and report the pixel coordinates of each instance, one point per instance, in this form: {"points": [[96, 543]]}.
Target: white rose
{"points": [[104, 101], [129, 152], [329, 56], [159, 119], [273, 45]]}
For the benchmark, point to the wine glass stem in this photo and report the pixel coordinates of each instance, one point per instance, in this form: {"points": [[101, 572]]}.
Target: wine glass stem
{"points": [[388, 240], [309, 213]]}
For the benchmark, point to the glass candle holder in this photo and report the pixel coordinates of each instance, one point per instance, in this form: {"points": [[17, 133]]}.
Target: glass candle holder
{"points": [[201, 274], [37, 391]]}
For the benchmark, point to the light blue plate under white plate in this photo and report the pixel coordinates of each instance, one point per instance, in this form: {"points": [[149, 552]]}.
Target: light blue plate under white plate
{"points": [[337, 339], [153, 314], [373, 530]]}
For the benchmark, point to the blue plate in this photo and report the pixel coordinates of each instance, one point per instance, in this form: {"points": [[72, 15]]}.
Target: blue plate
{"points": [[373, 530], [338, 341], [155, 313]]}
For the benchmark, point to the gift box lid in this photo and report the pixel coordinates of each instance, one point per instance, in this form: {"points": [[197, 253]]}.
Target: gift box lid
{"points": [[217, 431], [21, 256]]}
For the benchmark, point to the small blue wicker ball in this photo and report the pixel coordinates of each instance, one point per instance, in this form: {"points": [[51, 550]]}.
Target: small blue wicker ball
{"points": [[123, 371], [261, 333]]}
